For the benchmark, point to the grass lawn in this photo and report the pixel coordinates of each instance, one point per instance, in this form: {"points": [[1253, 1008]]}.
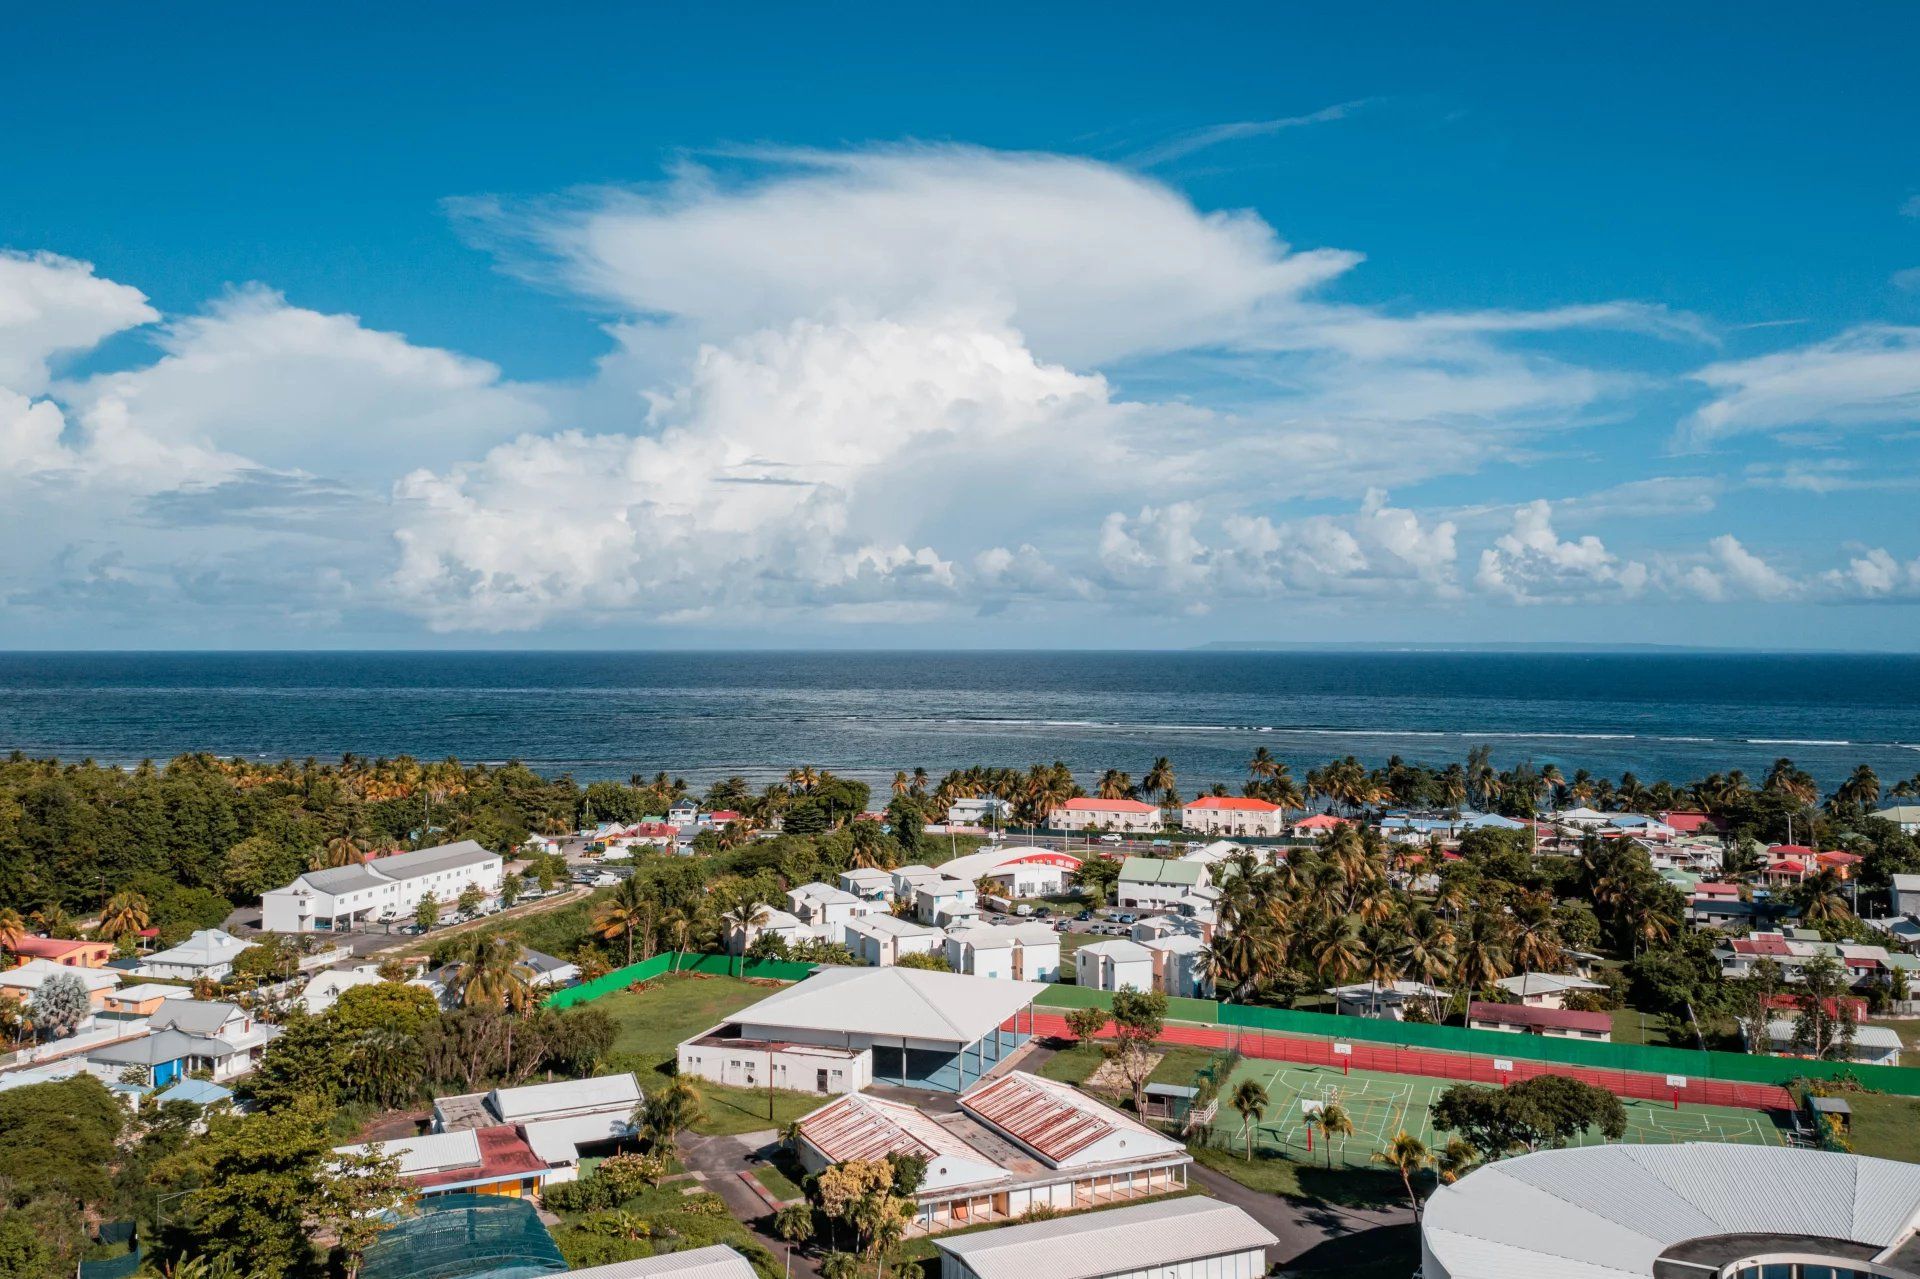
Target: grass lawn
{"points": [[651, 1022], [1885, 1125], [778, 1184], [1346, 1187]]}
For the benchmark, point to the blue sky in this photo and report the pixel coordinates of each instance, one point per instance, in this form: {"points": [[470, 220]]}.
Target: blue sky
{"points": [[599, 326]]}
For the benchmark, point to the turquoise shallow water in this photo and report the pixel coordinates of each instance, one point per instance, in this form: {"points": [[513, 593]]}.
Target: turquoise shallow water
{"points": [[703, 715]]}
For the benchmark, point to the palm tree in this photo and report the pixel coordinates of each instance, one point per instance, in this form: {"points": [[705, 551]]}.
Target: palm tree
{"points": [[1862, 789], [1454, 1159], [1249, 1101], [1262, 765], [1536, 935], [1333, 1121], [1820, 899], [745, 915], [1160, 780], [13, 929], [668, 1110], [1406, 1154], [126, 913], [902, 783], [628, 909], [1115, 784], [341, 850], [1787, 779], [1480, 947], [489, 973]]}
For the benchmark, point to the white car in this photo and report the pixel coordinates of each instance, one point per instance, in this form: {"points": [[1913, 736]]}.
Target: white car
{"points": [[1111, 839]]}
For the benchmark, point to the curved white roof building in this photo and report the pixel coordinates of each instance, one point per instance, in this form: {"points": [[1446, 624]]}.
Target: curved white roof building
{"points": [[1694, 1211]]}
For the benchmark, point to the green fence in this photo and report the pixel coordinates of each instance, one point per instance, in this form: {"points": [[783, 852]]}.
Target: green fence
{"points": [[677, 962], [1637, 1058]]}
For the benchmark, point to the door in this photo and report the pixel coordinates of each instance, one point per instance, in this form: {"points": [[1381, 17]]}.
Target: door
{"points": [[819, 1081]]}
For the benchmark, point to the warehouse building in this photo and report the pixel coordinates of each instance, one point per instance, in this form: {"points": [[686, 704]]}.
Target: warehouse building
{"points": [[905, 1026]]}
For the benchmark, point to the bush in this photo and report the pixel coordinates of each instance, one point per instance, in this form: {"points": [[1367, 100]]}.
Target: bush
{"points": [[628, 1175], [589, 1194]]}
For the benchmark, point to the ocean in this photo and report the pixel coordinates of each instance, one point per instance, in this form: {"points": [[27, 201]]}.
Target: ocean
{"points": [[865, 714]]}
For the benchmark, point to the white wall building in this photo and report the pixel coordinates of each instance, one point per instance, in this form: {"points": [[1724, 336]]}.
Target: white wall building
{"points": [[1155, 883], [933, 1030], [208, 953], [1114, 965], [869, 883], [1020, 871], [826, 910], [1018, 952], [380, 889], [1545, 990], [938, 898], [1191, 1238], [880, 940], [1180, 967], [983, 810], [1234, 815], [1121, 815]]}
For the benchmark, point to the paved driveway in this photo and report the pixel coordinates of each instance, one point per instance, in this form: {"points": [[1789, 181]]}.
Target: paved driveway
{"points": [[718, 1163]]}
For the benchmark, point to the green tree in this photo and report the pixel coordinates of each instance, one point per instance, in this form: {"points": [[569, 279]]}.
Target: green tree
{"points": [[1824, 1021], [793, 1223], [1086, 1023], [60, 1005], [1139, 1019], [357, 1195], [1249, 1101], [1333, 1121], [426, 914], [668, 1110], [1406, 1155], [250, 1187]]}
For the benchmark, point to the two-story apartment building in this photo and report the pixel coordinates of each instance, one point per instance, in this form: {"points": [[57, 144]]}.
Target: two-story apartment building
{"points": [[380, 888]]}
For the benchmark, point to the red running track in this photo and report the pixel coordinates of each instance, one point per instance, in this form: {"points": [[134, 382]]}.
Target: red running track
{"points": [[1442, 1065]]}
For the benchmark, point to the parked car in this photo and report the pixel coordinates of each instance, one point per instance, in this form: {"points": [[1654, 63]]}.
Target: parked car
{"points": [[1023, 909], [1084, 916], [1063, 926], [1111, 839]]}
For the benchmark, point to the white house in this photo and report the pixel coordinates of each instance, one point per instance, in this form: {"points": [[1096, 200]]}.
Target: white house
{"points": [[208, 953], [880, 940], [825, 910], [869, 883], [1545, 990], [1114, 965], [938, 898], [380, 889], [1017, 871], [187, 1036], [984, 810], [1871, 1046], [768, 923], [325, 989], [1385, 1001], [1155, 883], [1019, 952], [1122, 815], [1235, 815], [1180, 966]]}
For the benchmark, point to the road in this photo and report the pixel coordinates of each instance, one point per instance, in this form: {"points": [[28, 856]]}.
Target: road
{"points": [[718, 1162]]}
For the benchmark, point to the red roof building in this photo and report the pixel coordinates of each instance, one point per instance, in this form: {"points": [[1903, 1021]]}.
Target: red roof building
{"points": [[1713, 891], [1532, 1020], [1690, 823], [1318, 822], [1233, 804], [1088, 813], [69, 952]]}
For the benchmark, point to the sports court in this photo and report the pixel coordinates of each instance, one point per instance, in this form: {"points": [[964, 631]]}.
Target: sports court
{"points": [[1381, 1105]]}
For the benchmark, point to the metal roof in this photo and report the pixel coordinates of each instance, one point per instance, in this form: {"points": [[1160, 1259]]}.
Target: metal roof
{"points": [[434, 1152], [893, 1003], [1608, 1211], [1052, 1119], [1158, 870], [715, 1262], [195, 1016], [1111, 1242], [567, 1097], [858, 1126]]}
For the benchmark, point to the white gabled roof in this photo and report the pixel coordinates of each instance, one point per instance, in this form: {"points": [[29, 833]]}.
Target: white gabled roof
{"points": [[893, 1002], [715, 1262], [1525, 984], [205, 948], [570, 1096], [1143, 1237], [30, 975], [558, 1141], [1604, 1212], [1119, 950]]}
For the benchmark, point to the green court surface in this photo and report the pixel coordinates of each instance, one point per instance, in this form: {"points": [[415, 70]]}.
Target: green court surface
{"points": [[1381, 1105]]}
